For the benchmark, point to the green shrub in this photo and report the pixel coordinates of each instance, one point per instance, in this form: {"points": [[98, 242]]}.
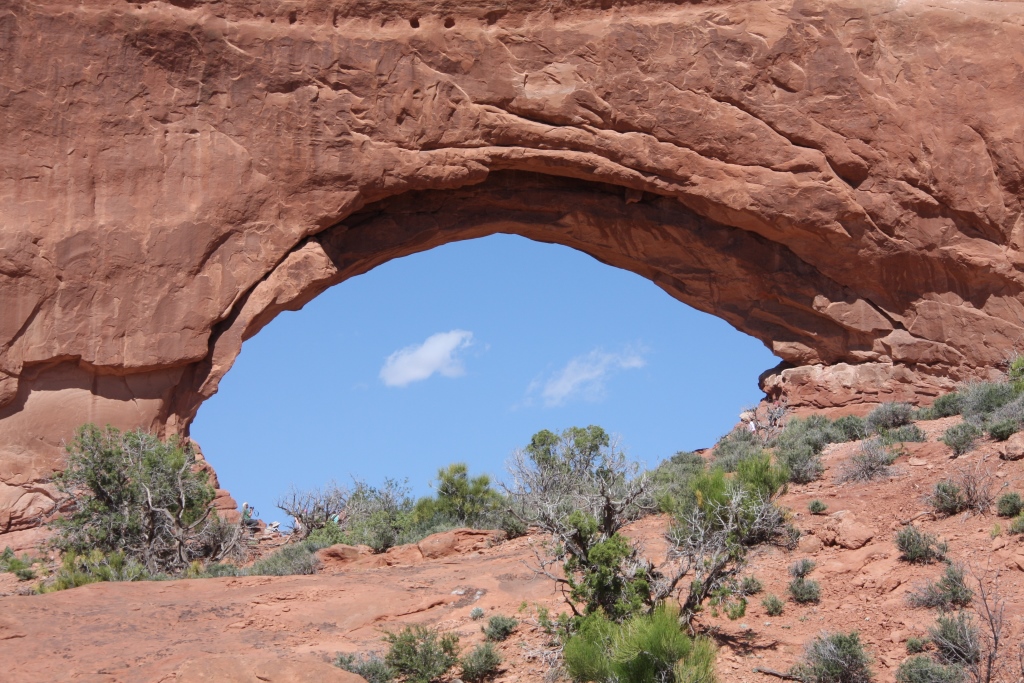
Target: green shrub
{"points": [[500, 627], [947, 498], [94, 567], [373, 669], [804, 590], [751, 586], [481, 662], [980, 399], [1011, 413], [1009, 504], [961, 438], [956, 639], [801, 568], [835, 658], [816, 507], [947, 405], [772, 605], [21, 567], [217, 569], [476, 613], [297, 558], [924, 669], [1015, 373], [735, 447], [1016, 526], [327, 535], [672, 479], [849, 428], [949, 591], [872, 460], [916, 645], [1003, 430], [906, 433], [918, 547], [421, 654], [888, 416], [131, 493], [646, 649], [800, 444]]}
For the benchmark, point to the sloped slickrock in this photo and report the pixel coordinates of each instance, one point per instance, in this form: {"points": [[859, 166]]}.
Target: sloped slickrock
{"points": [[841, 180]]}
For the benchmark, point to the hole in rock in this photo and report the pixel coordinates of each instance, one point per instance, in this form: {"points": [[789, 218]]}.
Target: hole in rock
{"points": [[414, 22], [460, 354], [293, 17], [449, 22]]}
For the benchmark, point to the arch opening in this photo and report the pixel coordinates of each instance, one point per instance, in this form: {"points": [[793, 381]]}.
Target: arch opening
{"points": [[553, 338]]}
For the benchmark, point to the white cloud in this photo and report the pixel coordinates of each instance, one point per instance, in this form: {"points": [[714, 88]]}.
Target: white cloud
{"points": [[585, 376], [437, 354]]}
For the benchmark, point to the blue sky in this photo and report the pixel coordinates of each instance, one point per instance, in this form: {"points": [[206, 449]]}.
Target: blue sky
{"points": [[461, 353]]}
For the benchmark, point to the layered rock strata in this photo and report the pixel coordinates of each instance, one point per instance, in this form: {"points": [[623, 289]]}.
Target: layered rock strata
{"points": [[842, 180]]}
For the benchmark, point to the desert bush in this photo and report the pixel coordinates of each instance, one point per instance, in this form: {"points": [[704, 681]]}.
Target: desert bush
{"points": [[773, 606], [947, 405], [672, 478], [381, 517], [372, 668], [916, 645], [1003, 429], [816, 507], [296, 558], [461, 501], [711, 535], [947, 498], [735, 447], [219, 569], [972, 488], [849, 428], [918, 547], [1016, 526], [476, 613], [961, 438], [421, 654], [872, 460], [1011, 413], [949, 591], [888, 416], [978, 400], [956, 639], [500, 627], [650, 648], [801, 568], [314, 508], [581, 489], [329, 534], [800, 444], [751, 586], [131, 493], [1015, 372], [804, 590], [906, 433], [835, 658], [924, 669], [94, 567], [21, 567], [1009, 504], [481, 662]]}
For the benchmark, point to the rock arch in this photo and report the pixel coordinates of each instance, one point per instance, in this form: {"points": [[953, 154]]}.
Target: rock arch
{"points": [[842, 180]]}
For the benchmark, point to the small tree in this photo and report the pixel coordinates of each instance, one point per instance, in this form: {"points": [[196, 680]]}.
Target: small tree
{"points": [[580, 488], [315, 508], [132, 493], [461, 499]]}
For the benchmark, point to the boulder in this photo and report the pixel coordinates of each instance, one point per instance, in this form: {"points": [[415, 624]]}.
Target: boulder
{"points": [[1012, 448]]}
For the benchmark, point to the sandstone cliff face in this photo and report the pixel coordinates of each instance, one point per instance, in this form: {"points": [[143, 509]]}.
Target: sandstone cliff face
{"points": [[842, 180]]}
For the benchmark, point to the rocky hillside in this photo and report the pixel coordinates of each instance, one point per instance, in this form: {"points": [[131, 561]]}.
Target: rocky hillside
{"points": [[287, 628]]}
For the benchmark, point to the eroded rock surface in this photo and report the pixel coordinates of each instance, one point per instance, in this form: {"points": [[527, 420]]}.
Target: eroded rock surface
{"points": [[841, 180]]}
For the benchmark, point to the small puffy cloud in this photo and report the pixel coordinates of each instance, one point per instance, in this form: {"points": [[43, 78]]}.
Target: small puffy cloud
{"points": [[585, 376], [439, 353]]}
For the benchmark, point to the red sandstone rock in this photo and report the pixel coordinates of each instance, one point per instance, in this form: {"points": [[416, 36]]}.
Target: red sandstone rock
{"points": [[840, 180], [250, 668]]}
